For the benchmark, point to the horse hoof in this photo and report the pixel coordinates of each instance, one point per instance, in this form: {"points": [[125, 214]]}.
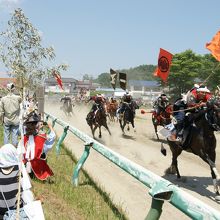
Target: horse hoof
{"points": [[170, 170], [217, 198], [134, 130], [100, 136]]}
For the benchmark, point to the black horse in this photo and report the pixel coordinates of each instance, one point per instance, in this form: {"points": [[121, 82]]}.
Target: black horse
{"points": [[199, 139], [97, 121], [128, 115]]}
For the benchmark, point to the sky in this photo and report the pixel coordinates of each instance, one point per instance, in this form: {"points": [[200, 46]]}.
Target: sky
{"points": [[92, 36]]}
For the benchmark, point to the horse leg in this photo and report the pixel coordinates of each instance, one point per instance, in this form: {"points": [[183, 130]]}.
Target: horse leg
{"points": [[132, 123], [128, 128], [93, 133], [121, 125], [91, 126], [100, 132], [155, 129], [210, 159], [107, 128], [173, 169]]}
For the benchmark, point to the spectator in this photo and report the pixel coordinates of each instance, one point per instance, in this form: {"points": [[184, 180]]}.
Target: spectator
{"points": [[9, 183], [37, 144], [9, 112]]}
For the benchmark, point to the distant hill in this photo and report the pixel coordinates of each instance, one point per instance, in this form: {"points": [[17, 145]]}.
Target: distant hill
{"points": [[142, 72]]}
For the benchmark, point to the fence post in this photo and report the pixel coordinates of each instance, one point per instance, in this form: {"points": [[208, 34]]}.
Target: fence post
{"points": [[54, 121], [60, 141], [81, 162], [46, 119], [155, 210]]}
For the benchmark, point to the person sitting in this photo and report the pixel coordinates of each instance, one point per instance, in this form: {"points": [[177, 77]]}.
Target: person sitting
{"points": [[195, 100], [160, 104], [37, 144]]}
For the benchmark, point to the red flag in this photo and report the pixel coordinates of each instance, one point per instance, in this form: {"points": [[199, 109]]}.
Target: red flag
{"points": [[58, 78], [164, 63], [214, 46]]}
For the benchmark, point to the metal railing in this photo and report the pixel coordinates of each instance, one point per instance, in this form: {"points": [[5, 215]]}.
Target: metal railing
{"points": [[160, 189]]}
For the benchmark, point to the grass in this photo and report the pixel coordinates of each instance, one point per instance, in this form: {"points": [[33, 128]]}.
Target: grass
{"points": [[61, 200]]}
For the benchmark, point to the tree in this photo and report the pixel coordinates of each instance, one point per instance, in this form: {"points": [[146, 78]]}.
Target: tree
{"points": [[22, 52], [210, 71], [104, 79], [184, 71], [87, 77]]}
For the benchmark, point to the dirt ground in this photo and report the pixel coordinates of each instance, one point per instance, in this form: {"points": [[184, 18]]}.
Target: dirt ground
{"points": [[142, 148]]}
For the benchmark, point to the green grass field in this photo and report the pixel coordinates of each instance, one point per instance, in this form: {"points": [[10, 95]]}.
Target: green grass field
{"points": [[62, 201]]}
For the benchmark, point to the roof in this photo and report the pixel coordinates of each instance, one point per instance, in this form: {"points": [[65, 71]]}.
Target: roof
{"points": [[64, 80], [143, 83]]}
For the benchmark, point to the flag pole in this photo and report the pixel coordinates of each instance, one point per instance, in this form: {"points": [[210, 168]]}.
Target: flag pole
{"points": [[213, 71]]}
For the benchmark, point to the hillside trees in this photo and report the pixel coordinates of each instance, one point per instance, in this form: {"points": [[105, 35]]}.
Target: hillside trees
{"points": [[22, 53], [184, 72]]}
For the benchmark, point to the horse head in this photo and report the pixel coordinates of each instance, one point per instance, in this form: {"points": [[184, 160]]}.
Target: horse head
{"points": [[213, 113]]}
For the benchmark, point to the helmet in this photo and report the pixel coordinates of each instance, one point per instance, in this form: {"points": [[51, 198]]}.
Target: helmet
{"points": [[203, 89], [10, 86], [32, 117]]}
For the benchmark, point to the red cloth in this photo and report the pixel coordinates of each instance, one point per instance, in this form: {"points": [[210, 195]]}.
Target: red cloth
{"points": [[40, 168], [198, 97], [58, 79], [164, 63]]}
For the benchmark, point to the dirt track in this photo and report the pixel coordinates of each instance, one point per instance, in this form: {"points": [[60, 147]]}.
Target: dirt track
{"points": [[142, 148]]}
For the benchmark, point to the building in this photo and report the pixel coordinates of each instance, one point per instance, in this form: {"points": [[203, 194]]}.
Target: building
{"points": [[69, 85], [86, 85], [141, 85]]}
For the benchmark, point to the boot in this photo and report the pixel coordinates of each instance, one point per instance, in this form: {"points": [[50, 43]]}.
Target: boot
{"points": [[179, 132]]}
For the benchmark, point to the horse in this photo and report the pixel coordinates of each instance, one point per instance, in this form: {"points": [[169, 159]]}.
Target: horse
{"points": [[67, 107], [111, 108], [164, 118], [97, 121], [128, 116], [199, 139]]}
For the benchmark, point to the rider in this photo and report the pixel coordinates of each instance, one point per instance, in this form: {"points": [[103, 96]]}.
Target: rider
{"points": [[99, 101], [195, 99], [126, 99], [66, 99], [161, 103]]}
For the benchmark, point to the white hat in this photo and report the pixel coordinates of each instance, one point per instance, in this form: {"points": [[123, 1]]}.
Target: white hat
{"points": [[10, 86], [203, 89]]}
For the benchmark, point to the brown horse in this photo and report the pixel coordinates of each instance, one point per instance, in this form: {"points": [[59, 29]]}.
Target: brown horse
{"points": [[164, 118], [199, 139], [97, 121], [111, 108]]}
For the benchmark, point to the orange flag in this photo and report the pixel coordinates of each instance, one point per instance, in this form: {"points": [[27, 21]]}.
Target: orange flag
{"points": [[58, 78], [214, 46], [164, 63]]}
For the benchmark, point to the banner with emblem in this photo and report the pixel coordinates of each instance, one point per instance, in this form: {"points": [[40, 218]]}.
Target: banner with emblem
{"points": [[164, 63], [113, 75], [123, 80]]}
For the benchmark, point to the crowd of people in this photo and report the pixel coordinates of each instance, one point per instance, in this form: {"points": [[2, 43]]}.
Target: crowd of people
{"points": [[27, 141]]}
